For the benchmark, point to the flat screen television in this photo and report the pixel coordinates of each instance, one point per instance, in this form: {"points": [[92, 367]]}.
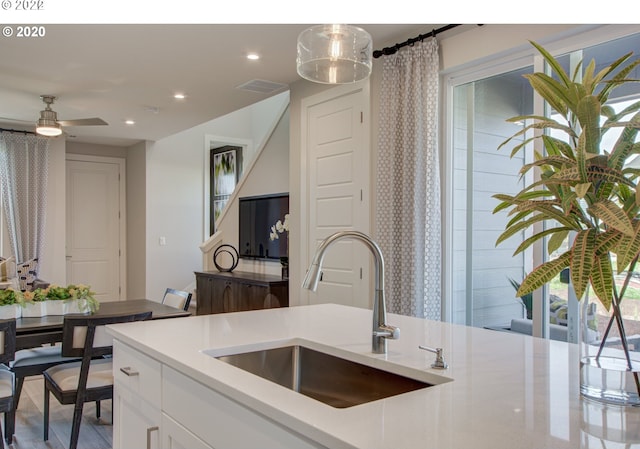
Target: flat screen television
{"points": [[257, 215]]}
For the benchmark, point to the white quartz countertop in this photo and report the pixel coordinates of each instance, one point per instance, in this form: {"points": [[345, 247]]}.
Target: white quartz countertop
{"points": [[507, 390]]}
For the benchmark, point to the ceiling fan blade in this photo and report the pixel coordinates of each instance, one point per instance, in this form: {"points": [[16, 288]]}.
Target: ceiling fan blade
{"points": [[83, 122]]}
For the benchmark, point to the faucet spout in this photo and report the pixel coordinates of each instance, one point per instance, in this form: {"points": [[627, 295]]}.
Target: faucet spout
{"points": [[381, 330]]}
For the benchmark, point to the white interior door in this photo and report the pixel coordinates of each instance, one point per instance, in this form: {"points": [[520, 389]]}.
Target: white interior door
{"points": [[94, 227], [338, 196]]}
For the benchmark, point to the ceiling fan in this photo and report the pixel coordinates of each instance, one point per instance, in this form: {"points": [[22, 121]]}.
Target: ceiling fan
{"points": [[49, 125]]}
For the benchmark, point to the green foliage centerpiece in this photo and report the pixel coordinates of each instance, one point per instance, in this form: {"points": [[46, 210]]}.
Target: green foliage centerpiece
{"points": [[588, 191]]}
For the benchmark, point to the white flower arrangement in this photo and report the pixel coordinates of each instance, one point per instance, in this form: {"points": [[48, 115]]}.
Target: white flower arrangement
{"points": [[279, 228]]}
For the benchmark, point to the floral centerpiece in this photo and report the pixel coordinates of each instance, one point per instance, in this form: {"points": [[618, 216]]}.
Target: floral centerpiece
{"points": [[78, 298], [57, 300], [280, 228]]}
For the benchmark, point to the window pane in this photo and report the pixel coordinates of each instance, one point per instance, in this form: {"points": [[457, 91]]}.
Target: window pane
{"points": [[483, 294]]}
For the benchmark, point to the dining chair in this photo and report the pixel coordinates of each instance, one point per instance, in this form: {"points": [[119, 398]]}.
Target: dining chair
{"points": [[26, 363], [91, 378], [7, 379], [177, 298]]}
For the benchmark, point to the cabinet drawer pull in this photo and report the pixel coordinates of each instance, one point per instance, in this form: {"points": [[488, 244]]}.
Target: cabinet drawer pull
{"points": [[128, 371], [149, 430]]}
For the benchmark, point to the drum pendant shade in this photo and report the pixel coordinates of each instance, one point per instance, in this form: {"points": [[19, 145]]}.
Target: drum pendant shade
{"points": [[334, 54]]}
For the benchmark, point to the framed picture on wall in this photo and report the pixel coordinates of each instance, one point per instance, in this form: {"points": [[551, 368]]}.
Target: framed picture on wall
{"points": [[225, 171]]}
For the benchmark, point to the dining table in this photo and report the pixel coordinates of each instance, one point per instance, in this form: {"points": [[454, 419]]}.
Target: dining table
{"points": [[32, 332]]}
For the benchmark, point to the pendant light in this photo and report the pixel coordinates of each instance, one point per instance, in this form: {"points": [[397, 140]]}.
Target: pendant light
{"points": [[334, 54]]}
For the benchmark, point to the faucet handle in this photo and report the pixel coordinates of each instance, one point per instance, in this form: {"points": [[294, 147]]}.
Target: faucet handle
{"points": [[439, 363], [387, 331]]}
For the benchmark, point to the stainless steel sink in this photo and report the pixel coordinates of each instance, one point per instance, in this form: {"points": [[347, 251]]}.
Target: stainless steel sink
{"points": [[327, 378]]}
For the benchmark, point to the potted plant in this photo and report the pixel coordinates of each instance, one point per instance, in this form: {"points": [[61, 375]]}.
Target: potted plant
{"points": [[587, 191], [75, 298], [54, 306], [34, 304], [81, 299], [10, 303]]}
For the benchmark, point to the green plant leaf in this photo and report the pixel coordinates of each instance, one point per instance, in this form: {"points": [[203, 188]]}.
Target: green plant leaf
{"points": [[602, 280], [554, 161], [517, 227], [582, 189], [588, 112], [618, 79], [582, 256], [628, 248], [552, 91], [623, 146], [543, 274], [554, 232], [612, 215], [568, 202], [553, 63], [588, 78], [556, 240], [556, 147], [607, 241]]}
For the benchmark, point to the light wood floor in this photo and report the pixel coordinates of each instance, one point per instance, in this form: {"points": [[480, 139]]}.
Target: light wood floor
{"points": [[94, 434]]}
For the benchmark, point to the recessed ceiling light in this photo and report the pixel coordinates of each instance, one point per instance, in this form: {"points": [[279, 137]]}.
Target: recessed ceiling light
{"points": [[179, 96], [253, 56], [130, 122]]}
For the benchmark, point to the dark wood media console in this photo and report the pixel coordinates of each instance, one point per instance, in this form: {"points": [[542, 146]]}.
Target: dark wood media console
{"points": [[220, 292]]}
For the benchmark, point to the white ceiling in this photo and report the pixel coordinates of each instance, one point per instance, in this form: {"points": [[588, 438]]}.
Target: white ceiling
{"points": [[120, 72]]}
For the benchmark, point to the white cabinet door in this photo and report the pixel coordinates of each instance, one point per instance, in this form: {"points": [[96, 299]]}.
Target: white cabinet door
{"points": [[136, 423], [220, 421], [174, 436]]}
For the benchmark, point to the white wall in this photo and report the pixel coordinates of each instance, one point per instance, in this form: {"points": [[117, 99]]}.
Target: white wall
{"points": [[270, 174], [136, 220], [174, 187]]}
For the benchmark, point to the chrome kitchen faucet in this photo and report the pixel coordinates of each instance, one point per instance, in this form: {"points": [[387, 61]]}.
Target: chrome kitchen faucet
{"points": [[381, 330]]}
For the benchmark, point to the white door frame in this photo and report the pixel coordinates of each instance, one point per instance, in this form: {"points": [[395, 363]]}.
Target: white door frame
{"points": [[122, 223], [307, 103]]}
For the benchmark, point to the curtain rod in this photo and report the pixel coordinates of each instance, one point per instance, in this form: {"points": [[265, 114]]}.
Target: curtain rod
{"points": [[16, 131], [391, 50]]}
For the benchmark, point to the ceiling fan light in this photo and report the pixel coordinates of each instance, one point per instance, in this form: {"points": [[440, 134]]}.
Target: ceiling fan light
{"points": [[334, 54], [48, 128]]}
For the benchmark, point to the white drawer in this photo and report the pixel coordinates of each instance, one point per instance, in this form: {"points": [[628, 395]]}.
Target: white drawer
{"points": [[138, 372]]}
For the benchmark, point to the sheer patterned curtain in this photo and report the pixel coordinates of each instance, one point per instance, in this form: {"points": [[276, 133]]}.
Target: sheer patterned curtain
{"points": [[23, 173], [408, 181]]}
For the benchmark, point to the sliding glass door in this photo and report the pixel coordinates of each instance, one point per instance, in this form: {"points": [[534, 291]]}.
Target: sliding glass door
{"points": [[483, 277], [483, 294]]}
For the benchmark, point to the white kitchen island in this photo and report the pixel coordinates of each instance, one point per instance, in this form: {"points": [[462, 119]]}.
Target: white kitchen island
{"points": [[502, 390]]}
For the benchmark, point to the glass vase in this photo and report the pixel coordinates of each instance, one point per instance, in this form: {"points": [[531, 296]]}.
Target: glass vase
{"points": [[610, 352]]}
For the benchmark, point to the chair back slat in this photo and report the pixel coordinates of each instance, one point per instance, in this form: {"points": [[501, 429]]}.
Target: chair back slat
{"points": [[86, 333], [7, 340], [177, 298]]}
